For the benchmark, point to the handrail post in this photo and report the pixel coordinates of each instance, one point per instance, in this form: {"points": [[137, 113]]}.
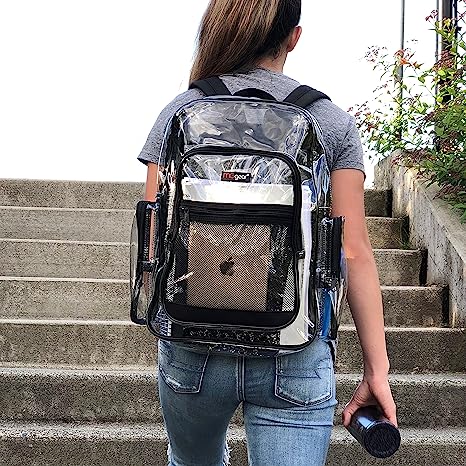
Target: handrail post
{"points": [[400, 68], [448, 10]]}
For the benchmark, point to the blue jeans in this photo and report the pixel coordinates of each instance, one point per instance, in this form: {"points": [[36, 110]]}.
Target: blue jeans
{"points": [[288, 405]]}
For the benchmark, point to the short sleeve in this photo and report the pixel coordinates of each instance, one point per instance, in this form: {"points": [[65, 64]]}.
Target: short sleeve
{"points": [[152, 152], [350, 153]]}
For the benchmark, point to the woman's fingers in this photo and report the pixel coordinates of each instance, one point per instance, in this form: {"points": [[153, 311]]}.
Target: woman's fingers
{"points": [[383, 395], [348, 412], [371, 392], [361, 397]]}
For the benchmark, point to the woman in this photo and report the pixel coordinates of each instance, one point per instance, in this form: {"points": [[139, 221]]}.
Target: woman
{"points": [[246, 43]]}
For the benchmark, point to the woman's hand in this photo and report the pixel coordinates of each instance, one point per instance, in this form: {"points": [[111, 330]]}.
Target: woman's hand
{"points": [[373, 390]]}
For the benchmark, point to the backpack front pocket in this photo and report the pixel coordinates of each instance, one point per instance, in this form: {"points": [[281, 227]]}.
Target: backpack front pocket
{"points": [[233, 266]]}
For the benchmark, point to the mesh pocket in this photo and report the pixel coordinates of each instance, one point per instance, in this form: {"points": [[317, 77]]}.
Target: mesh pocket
{"points": [[237, 267]]}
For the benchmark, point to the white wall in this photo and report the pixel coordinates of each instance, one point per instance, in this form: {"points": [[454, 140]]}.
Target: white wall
{"points": [[83, 81]]}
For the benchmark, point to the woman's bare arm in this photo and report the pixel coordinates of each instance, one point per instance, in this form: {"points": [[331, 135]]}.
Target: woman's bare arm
{"points": [[150, 193], [364, 294], [152, 182]]}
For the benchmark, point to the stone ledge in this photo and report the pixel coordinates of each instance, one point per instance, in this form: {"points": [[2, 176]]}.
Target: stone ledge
{"points": [[433, 226]]}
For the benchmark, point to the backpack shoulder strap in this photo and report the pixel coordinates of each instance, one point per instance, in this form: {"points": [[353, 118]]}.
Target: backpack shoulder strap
{"points": [[257, 93], [303, 96], [210, 86]]}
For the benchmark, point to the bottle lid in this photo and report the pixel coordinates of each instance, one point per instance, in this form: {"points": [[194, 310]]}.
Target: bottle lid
{"points": [[382, 440]]}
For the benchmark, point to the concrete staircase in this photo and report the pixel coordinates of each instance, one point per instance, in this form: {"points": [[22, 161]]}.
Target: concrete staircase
{"points": [[77, 380]]}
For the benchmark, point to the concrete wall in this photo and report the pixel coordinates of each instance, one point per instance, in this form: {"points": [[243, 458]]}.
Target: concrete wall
{"points": [[433, 226]]}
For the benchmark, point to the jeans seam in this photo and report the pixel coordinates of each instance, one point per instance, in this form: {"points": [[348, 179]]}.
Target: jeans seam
{"points": [[240, 378]]}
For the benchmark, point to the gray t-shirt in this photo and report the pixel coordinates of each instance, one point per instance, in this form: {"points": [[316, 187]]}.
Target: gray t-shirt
{"points": [[341, 138]]}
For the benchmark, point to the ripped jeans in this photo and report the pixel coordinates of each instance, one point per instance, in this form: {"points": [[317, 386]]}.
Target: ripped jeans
{"points": [[288, 405]]}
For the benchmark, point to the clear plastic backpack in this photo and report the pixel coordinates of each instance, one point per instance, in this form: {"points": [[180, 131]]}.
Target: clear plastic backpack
{"points": [[239, 251]]}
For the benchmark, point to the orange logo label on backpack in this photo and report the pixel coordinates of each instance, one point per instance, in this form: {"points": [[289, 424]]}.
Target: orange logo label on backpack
{"points": [[239, 177]]}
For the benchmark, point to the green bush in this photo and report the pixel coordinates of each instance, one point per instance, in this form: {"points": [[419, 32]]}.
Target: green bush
{"points": [[424, 114]]}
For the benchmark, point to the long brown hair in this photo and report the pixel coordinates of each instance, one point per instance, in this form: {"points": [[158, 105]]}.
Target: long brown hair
{"points": [[235, 34]]}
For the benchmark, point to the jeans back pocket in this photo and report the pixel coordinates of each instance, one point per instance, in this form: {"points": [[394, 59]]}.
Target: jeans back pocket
{"points": [[306, 378], [182, 370]]}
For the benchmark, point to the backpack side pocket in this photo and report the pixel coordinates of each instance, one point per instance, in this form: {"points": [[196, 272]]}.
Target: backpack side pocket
{"points": [[331, 276], [143, 258]]}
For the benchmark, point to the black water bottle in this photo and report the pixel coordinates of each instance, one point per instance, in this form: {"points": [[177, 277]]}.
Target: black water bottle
{"points": [[374, 432]]}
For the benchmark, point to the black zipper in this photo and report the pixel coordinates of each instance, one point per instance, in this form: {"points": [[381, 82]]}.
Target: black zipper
{"points": [[336, 246], [256, 214]]}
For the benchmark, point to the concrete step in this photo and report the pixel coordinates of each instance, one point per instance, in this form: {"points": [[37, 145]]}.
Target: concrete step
{"points": [[398, 266], [79, 259], [54, 298], [104, 195], [61, 298], [64, 259], [71, 224], [411, 350], [70, 194], [108, 225], [63, 444], [50, 298], [431, 447], [31, 394], [409, 306], [120, 344], [378, 203], [386, 232]]}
